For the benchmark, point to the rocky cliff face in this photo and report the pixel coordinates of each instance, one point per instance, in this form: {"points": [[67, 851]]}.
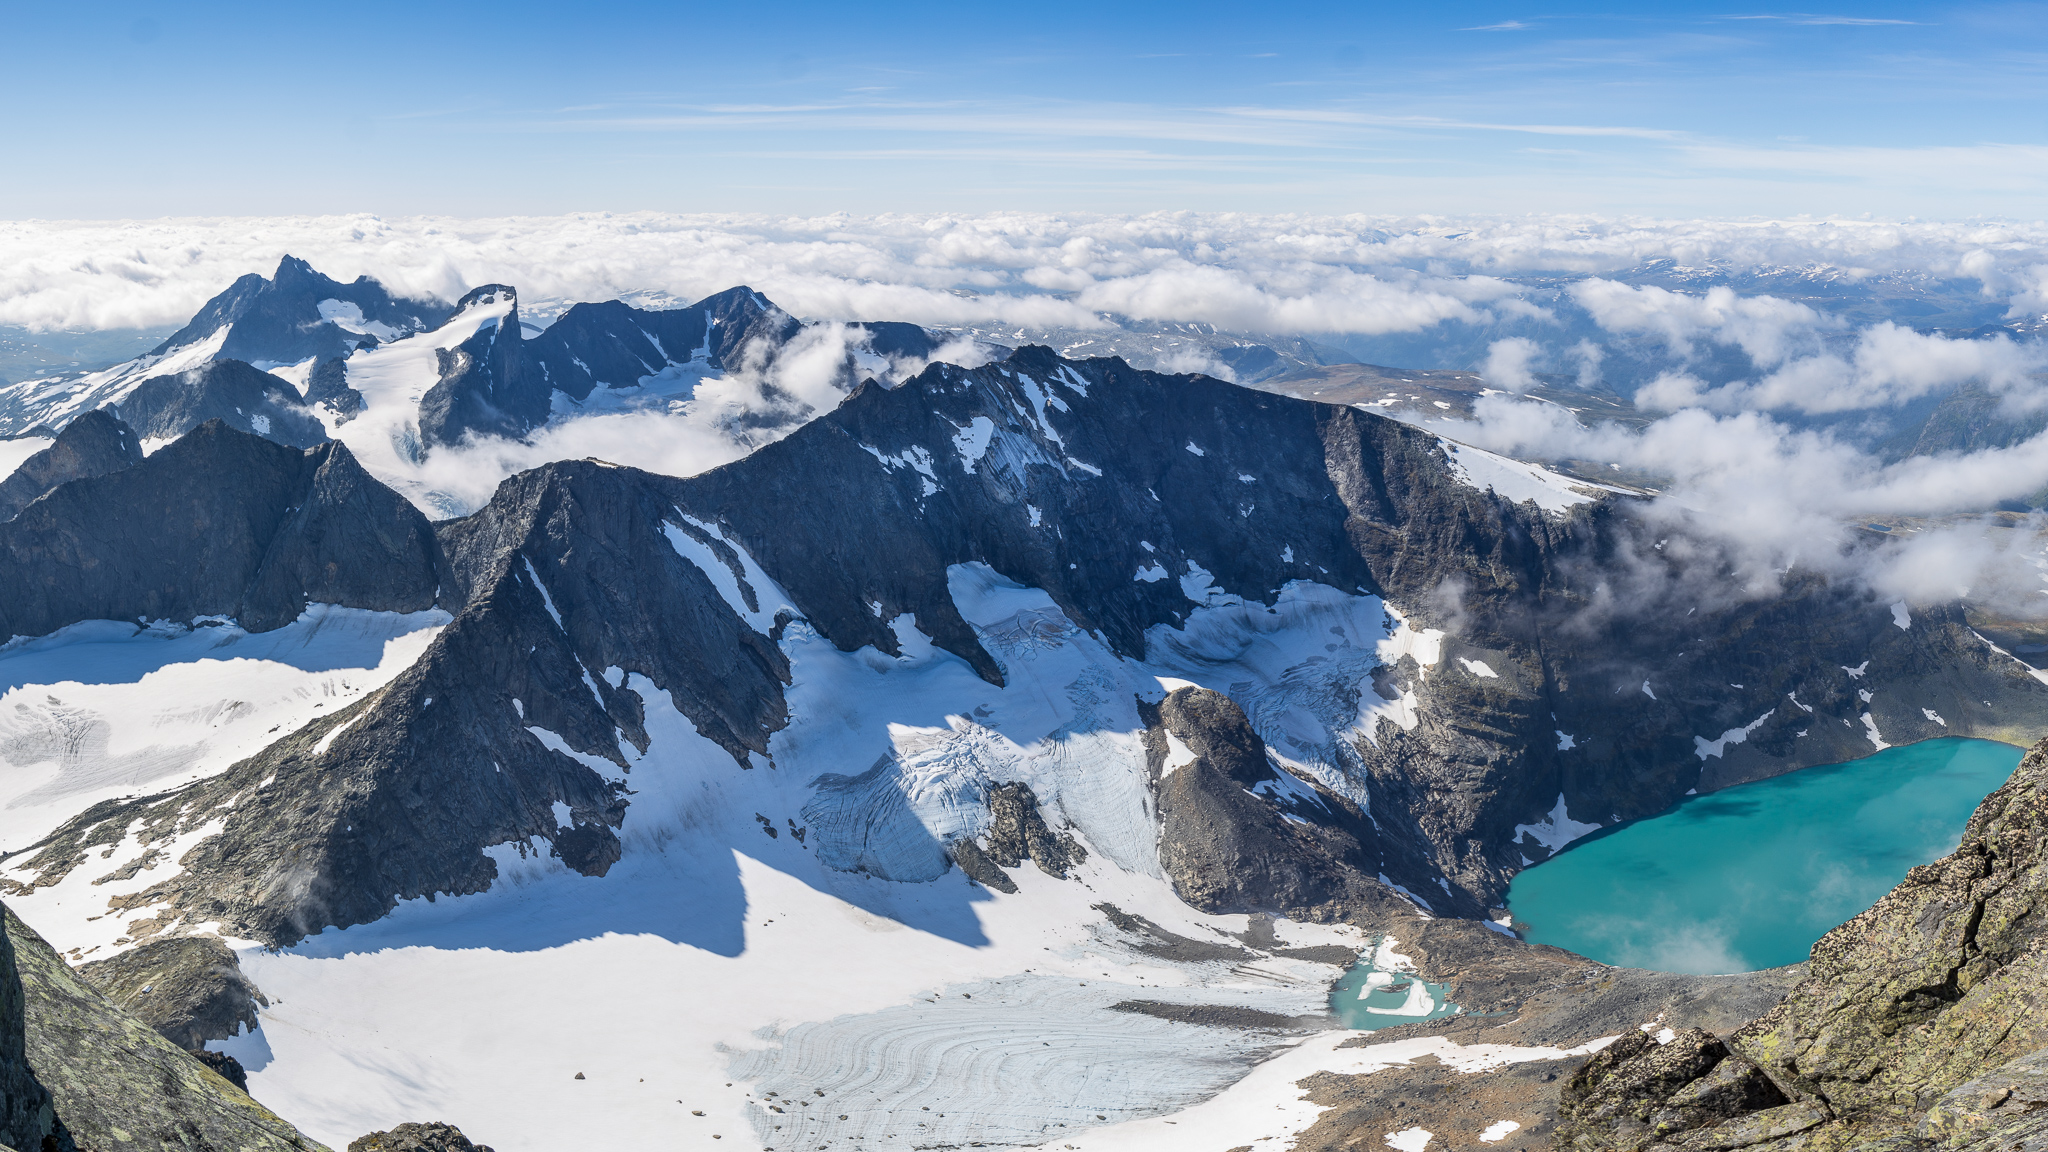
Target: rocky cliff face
{"points": [[118, 1084], [1920, 1023], [1532, 696], [243, 398], [28, 1118], [189, 988], [299, 313], [497, 383], [92, 445], [1312, 856], [217, 524]]}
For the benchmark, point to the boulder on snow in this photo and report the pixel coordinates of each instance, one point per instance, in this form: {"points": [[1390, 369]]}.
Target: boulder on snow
{"points": [[432, 1136]]}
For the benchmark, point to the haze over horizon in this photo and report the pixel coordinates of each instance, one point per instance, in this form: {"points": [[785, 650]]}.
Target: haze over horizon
{"points": [[1890, 109]]}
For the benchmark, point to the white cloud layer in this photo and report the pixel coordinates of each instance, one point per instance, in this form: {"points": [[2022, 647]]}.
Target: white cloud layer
{"points": [[1783, 500], [1272, 274]]}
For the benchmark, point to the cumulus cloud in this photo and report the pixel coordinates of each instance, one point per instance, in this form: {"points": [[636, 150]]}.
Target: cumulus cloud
{"points": [[1507, 363], [1766, 328], [1783, 499], [1887, 366]]}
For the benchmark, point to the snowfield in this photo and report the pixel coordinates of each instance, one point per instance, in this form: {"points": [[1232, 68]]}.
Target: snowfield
{"points": [[731, 963]]}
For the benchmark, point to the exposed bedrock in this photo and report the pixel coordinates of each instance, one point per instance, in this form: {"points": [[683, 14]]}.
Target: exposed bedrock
{"points": [[1919, 1024], [92, 445], [219, 523], [497, 383], [327, 385], [1577, 658], [28, 1116], [189, 988], [244, 398], [432, 1136], [117, 1083], [1227, 850]]}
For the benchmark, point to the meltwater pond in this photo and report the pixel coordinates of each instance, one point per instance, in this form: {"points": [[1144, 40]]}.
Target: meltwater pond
{"points": [[1382, 990], [1749, 877]]}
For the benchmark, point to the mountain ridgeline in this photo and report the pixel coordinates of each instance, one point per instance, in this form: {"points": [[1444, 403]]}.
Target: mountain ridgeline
{"points": [[1576, 665]]}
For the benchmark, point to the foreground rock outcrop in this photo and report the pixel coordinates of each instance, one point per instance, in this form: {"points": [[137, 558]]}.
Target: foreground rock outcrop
{"points": [[28, 1117], [430, 1137], [189, 988], [1921, 1023], [114, 1083]]}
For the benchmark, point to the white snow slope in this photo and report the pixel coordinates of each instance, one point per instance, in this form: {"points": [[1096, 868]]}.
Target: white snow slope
{"points": [[716, 964]]}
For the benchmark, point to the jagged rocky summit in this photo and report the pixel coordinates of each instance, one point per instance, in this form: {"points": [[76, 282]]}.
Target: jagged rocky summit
{"points": [[258, 325], [274, 357], [1510, 697]]}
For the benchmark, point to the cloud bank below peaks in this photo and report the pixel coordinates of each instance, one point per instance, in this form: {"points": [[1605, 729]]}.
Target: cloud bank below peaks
{"points": [[1257, 274]]}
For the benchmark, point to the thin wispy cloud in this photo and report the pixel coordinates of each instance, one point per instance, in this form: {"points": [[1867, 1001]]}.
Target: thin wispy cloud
{"points": [[1503, 26], [1822, 20]]}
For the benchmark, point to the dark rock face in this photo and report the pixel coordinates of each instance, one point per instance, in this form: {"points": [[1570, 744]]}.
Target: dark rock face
{"points": [[488, 386], [224, 1066], [327, 385], [1226, 849], [430, 1137], [27, 1116], [117, 1083], [218, 523], [92, 445], [1017, 831], [1921, 1021], [612, 345], [1637, 1091], [279, 320], [978, 867], [230, 391], [498, 384], [189, 988], [349, 540]]}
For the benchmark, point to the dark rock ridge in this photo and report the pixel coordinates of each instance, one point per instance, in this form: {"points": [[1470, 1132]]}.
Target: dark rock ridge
{"points": [[327, 385], [118, 1084], [242, 397], [28, 1116], [224, 1066], [498, 384], [1226, 849], [189, 988], [92, 445], [1064, 476], [429, 1137], [279, 320], [1920, 1023], [216, 524]]}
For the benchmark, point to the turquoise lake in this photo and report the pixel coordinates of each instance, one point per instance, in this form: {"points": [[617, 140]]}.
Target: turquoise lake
{"points": [[1749, 877]]}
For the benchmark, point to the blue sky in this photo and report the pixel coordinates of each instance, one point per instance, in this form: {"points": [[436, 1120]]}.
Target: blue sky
{"points": [[132, 110]]}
